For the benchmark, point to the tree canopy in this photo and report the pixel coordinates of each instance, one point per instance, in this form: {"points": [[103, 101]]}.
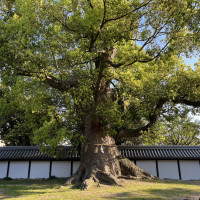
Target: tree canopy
{"points": [[108, 66]]}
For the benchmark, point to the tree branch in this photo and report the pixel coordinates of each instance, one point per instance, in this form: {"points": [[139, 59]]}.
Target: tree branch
{"points": [[60, 85], [104, 21], [124, 132], [141, 61], [90, 4], [62, 23], [51, 80], [124, 15], [94, 38], [187, 102], [156, 32]]}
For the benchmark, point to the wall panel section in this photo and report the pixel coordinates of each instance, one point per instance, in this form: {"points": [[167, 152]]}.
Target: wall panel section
{"points": [[190, 169], [76, 165], [168, 169], [39, 169], [3, 169], [148, 165], [61, 168], [18, 169]]}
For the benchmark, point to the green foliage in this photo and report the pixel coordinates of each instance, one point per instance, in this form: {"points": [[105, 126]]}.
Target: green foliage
{"points": [[14, 127], [67, 64], [18, 119]]}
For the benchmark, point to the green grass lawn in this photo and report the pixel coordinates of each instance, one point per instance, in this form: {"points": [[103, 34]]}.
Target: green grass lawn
{"points": [[134, 189]]}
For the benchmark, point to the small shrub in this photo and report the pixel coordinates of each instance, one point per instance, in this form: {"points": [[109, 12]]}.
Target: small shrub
{"points": [[52, 177], [7, 178]]}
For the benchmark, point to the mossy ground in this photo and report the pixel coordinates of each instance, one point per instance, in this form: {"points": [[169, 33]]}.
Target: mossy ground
{"points": [[132, 189]]}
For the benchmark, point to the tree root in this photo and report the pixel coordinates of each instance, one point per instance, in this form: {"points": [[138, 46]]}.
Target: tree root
{"points": [[100, 177], [75, 178], [129, 177], [108, 178], [87, 175], [86, 183], [129, 169]]}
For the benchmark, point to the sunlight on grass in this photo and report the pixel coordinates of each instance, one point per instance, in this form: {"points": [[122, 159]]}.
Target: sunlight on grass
{"points": [[50, 189]]}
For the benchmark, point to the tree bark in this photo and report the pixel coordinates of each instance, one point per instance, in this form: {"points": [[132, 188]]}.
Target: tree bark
{"points": [[102, 162]]}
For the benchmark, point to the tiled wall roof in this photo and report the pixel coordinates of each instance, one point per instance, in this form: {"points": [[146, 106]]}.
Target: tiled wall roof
{"points": [[131, 152], [161, 152]]}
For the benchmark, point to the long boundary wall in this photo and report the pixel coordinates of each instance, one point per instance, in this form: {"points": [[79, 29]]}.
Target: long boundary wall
{"points": [[33, 169]]}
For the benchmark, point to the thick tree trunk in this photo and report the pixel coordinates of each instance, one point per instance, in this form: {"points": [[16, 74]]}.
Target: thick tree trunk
{"points": [[100, 158], [101, 162]]}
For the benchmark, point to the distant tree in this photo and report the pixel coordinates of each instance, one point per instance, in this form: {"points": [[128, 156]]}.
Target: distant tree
{"points": [[114, 64], [13, 126], [17, 119], [24, 108]]}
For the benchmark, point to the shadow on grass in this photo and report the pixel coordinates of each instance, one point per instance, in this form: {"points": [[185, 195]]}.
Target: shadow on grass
{"points": [[155, 194], [174, 181], [183, 193], [192, 182], [16, 188], [176, 193], [161, 190]]}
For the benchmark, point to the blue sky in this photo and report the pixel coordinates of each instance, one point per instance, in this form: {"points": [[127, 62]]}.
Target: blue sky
{"points": [[191, 61]]}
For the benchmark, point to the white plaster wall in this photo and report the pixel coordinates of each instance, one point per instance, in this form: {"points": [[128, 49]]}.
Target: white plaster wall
{"points": [[3, 168], [168, 169], [148, 165], [18, 169], [190, 169], [76, 165], [61, 168], [39, 169]]}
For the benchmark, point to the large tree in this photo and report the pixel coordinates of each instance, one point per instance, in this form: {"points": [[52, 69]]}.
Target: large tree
{"points": [[116, 63]]}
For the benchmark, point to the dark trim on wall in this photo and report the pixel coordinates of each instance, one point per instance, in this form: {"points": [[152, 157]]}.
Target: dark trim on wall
{"points": [[71, 168], [29, 169], [157, 169], [8, 169], [76, 159], [179, 170], [42, 159], [199, 163], [50, 168]]}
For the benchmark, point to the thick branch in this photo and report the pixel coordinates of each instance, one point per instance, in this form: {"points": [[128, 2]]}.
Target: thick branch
{"points": [[152, 120], [136, 60], [187, 102], [51, 80], [94, 38], [60, 85], [153, 117]]}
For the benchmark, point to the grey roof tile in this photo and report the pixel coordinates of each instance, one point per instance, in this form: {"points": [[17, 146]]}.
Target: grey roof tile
{"points": [[162, 152], [131, 152]]}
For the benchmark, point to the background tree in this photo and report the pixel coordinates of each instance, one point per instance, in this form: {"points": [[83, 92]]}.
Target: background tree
{"points": [[19, 117], [13, 126], [114, 63]]}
